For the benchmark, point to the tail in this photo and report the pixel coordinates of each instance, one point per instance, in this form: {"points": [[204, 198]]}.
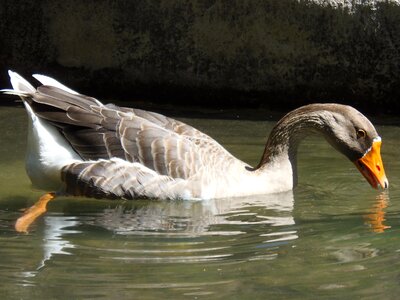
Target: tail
{"points": [[47, 149], [21, 87], [51, 93], [63, 113]]}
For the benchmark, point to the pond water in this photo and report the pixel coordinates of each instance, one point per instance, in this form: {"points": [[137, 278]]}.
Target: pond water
{"points": [[332, 237]]}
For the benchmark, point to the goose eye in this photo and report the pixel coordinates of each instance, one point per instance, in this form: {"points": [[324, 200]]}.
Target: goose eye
{"points": [[361, 133]]}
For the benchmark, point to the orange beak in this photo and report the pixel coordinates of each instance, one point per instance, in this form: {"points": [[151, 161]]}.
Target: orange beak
{"points": [[371, 166]]}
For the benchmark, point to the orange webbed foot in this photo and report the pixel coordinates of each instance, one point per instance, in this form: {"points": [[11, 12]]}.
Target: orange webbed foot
{"points": [[33, 212]]}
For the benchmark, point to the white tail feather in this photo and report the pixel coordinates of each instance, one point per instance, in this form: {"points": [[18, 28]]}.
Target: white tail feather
{"points": [[45, 80], [19, 84], [14, 92]]}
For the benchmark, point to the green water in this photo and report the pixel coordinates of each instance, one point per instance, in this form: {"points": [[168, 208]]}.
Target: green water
{"points": [[333, 237]]}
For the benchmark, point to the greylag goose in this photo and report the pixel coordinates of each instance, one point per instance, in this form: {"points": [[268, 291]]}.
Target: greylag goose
{"points": [[80, 147]]}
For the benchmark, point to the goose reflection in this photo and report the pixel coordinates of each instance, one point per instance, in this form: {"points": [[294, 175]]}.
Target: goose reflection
{"points": [[57, 229], [54, 241], [220, 217], [193, 218]]}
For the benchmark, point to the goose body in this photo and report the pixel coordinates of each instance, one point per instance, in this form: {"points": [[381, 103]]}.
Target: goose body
{"points": [[78, 146]]}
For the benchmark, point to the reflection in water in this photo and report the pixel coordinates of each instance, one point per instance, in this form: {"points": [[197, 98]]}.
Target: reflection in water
{"points": [[376, 217], [54, 243], [195, 217], [177, 219]]}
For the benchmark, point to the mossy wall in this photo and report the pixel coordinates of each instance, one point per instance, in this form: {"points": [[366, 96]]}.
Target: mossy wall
{"points": [[275, 53]]}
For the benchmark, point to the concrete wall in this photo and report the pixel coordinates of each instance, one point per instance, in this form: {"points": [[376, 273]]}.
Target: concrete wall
{"points": [[258, 50]]}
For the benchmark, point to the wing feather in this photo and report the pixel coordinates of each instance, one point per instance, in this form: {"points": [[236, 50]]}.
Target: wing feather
{"points": [[117, 178], [95, 131]]}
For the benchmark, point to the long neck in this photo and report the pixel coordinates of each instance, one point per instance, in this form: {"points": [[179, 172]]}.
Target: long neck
{"points": [[285, 137]]}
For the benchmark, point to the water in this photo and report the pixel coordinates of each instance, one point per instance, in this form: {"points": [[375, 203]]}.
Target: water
{"points": [[333, 237]]}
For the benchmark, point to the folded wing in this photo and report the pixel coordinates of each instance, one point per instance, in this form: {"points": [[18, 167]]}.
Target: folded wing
{"points": [[96, 131]]}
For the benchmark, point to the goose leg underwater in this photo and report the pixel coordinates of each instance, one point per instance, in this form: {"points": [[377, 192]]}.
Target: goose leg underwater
{"points": [[77, 146]]}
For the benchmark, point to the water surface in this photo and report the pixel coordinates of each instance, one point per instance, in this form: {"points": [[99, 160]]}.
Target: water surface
{"points": [[332, 237]]}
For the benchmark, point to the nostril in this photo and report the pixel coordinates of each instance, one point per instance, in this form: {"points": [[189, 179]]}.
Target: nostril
{"points": [[378, 167]]}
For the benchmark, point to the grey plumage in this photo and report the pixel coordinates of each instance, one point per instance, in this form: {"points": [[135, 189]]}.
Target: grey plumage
{"points": [[111, 139], [98, 150]]}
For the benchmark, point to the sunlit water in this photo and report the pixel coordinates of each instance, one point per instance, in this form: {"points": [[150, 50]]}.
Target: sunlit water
{"points": [[333, 237]]}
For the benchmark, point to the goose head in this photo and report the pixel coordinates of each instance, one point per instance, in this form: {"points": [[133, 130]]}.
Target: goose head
{"points": [[344, 127], [353, 135]]}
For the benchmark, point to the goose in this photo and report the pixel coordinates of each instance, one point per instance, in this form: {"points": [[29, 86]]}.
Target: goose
{"points": [[78, 146]]}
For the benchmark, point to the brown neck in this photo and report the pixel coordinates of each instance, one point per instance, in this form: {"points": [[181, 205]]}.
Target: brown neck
{"points": [[290, 130]]}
